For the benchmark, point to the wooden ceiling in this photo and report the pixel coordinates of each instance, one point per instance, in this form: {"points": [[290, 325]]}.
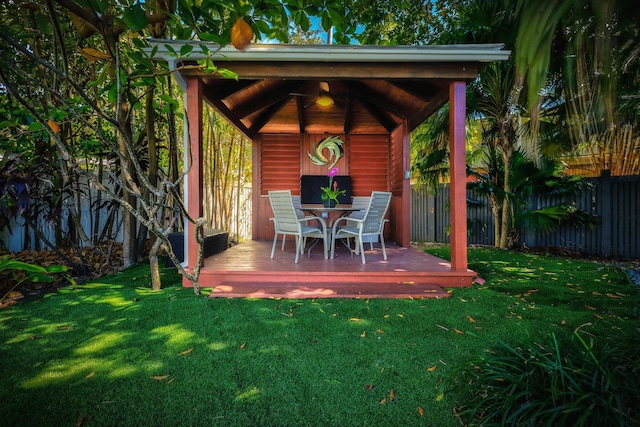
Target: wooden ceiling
{"points": [[371, 95], [289, 106]]}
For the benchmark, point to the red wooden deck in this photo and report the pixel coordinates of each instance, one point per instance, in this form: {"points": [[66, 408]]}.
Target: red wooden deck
{"points": [[246, 270]]}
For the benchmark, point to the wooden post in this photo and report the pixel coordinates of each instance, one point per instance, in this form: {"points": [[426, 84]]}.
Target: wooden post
{"points": [[405, 209], [457, 160], [193, 160]]}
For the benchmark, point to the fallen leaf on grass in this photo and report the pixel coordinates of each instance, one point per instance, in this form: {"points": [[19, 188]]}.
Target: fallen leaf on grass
{"points": [[369, 387], [589, 307], [386, 316], [82, 419], [380, 331], [471, 319], [458, 331], [598, 316], [439, 397], [90, 374], [185, 352], [160, 377], [354, 319], [400, 315], [421, 411], [392, 396], [65, 328], [363, 334], [563, 322], [383, 401], [612, 295], [433, 368], [243, 346]]}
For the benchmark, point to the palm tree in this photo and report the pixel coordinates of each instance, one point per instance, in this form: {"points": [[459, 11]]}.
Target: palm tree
{"points": [[537, 94]]}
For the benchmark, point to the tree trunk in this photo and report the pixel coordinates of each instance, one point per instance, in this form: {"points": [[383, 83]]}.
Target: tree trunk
{"points": [[497, 218], [505, 226], [129, 253], [156, 284], [153, 181]]}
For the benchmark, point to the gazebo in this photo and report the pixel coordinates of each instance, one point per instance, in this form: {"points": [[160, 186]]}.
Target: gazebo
{"points": [[288, 98]]}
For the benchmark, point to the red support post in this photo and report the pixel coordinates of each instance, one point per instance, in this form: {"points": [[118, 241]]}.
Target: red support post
{"points": [[193, 161], [405, 237], [458, 189]]}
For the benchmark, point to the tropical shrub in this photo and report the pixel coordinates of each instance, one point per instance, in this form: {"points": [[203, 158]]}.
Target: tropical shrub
{"points": [[568, 382], [17, 272]]}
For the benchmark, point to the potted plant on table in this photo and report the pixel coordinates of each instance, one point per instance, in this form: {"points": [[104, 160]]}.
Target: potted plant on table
{"points": [[330, 194]]}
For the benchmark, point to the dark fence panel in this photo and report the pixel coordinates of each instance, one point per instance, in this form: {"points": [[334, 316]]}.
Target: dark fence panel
{"points": [[614, 200]]}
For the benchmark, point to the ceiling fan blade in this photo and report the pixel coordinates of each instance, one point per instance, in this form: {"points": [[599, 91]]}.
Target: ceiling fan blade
{"points": [[303, 94], [324, 86]]}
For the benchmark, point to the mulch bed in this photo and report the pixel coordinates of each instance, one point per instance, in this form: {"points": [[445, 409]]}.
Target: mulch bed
{"points": [[108, 259]]}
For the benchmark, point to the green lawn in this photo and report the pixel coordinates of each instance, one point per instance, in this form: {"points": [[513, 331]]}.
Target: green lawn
{"points": [[114, 353]]}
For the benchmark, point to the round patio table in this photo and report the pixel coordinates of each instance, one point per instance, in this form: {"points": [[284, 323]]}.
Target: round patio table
{"points": [[325, 212]]}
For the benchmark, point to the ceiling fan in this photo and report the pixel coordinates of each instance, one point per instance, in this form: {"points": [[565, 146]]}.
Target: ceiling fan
{"points": [[323, 98]]}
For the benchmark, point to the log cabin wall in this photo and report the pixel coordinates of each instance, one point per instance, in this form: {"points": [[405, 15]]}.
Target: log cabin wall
{"points": [[280, 159]]}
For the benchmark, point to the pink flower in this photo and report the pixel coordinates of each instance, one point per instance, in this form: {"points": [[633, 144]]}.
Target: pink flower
{"points": [[335, 185], [332, 172]]}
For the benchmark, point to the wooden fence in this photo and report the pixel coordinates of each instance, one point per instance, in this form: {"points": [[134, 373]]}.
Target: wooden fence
{"points": [[18, 237], [615, 201]]}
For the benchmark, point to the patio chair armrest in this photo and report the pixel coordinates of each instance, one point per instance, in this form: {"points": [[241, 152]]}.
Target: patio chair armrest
{"points": [[322, 222], [344, 219]]}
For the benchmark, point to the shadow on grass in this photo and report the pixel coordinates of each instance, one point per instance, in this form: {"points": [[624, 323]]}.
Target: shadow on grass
{"points": [[114, 353]]}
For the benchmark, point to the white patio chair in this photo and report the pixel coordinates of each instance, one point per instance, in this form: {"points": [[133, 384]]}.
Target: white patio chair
{"points": [[361, 202], [297, 205], [371, 225], [286, 222]]}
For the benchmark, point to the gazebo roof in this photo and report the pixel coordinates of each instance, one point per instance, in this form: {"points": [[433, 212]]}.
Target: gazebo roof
{"points": [[373, 88]]}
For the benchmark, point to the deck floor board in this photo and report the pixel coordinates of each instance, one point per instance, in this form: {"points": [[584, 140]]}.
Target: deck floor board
{"points": [[246, 270]]}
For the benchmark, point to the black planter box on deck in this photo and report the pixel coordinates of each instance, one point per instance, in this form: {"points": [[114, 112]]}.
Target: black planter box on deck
{"points": [[215, 241]]}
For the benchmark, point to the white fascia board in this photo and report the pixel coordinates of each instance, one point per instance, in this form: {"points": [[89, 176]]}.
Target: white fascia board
{"points": [[333, 53]]}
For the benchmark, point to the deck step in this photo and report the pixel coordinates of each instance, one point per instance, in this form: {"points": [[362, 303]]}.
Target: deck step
{"points": [[327, 290]]}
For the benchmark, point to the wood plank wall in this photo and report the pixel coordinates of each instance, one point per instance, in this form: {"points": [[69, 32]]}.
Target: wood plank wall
{"points": [[368, 163], [399, 224], [280, 159]]}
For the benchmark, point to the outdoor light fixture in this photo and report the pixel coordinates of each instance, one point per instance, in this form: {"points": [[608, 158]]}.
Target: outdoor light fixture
{"points": [[324, 101]]}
